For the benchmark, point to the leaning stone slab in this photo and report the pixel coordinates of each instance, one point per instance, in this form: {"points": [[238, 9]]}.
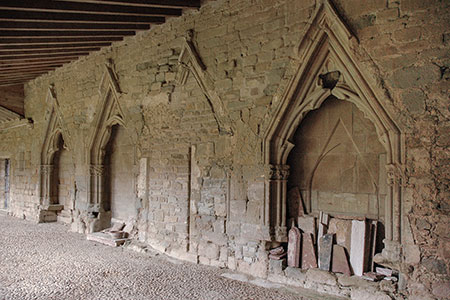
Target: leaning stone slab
{"points": [[325, 251], [358, 247], [339, 262], [294, 247], [309, 259]]}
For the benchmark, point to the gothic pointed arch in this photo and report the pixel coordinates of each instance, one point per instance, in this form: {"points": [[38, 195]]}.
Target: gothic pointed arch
{"points": [[55, 130], [109, 113], [328, 68], [189, 62]]}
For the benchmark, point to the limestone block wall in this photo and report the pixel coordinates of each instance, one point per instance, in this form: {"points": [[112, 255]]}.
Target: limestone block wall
{"points": [[198, 154]]}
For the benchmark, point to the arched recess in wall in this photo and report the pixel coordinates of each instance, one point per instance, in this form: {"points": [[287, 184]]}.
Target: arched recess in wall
{"points": [[328, 69], [109, 114], [56, 140]]}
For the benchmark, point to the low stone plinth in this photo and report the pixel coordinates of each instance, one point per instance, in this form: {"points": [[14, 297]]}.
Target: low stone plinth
{"points": [[106, 239], [340, 285]]}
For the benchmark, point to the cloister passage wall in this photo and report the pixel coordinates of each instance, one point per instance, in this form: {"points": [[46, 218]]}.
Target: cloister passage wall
{"points": [[196, 130]]}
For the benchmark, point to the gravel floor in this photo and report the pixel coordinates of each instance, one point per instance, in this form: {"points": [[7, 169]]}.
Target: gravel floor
{"points": [[45, 261]]}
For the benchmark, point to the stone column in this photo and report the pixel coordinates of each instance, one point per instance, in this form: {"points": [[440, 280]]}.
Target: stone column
{"points": [[396, 181], [277, 176], [45, 190], [96, 185]]}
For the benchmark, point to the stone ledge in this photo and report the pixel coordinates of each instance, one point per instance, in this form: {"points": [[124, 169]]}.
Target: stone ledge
{"points": [[340, 285]]}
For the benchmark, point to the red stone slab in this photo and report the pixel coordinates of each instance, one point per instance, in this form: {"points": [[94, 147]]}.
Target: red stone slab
{"points": [[339, 262], [294, 247], [309, 259]]}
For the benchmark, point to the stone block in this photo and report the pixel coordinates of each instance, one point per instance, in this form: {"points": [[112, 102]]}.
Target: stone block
{"points": [[277, 266], [321, 277], [441, 289], [295, 274]]}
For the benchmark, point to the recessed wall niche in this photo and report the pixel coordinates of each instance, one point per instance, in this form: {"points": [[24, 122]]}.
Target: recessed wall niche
{"points": [[338, 163]]}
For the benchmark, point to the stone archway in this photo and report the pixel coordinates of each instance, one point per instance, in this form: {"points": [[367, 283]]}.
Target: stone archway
{"points": [[110, 115], [56, 140], [328, 69]]}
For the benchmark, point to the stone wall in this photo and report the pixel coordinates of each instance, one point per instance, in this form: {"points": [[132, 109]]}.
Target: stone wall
{"points": [[198, 144]]}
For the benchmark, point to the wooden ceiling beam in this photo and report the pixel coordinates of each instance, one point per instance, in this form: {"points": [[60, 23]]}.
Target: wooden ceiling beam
{"points": [[45, 25], [91, 8], [20, 41], [31, 74], [39, 57], [52, 33], [54, 46], [77, 17], [153, 3], [23, 77], [37, 52], [37, 62], [16, 82], [29, 69]]}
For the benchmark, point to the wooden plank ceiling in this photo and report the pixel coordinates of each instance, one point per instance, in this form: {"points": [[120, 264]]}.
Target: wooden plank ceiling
{"points": [[37, 36]]}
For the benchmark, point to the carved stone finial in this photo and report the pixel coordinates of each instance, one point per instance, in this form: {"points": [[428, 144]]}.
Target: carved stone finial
{"points": [[189, 35], [330, 79], [109, 63]]}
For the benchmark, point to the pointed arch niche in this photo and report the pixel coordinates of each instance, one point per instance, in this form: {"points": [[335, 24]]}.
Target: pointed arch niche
{"points": [[52, 187], [109, 120], [328, 70]]}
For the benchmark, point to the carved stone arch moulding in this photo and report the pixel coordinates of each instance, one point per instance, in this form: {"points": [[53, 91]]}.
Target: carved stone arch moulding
{"points": [[109, 113], [328, 68], [189, 62], [55, 129]]}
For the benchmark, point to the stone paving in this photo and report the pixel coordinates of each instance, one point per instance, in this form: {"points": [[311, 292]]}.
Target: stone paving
{"points": [[45, 261]]}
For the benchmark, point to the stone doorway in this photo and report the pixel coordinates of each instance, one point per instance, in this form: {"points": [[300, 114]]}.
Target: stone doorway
{"points": [[4, 183]]}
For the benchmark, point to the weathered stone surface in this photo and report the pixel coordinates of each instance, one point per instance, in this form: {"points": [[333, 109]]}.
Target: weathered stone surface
{"points": [[307, 224], [339, 263], [321, 277], [308, 257], [441, 289], [295, 202], [342, 229], [325, 251], [277, 266], [358, 247], [294, 247], [359, 293]]}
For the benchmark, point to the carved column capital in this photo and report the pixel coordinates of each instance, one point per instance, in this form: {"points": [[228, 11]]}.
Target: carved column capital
{"points": [[277, 172], [46, 169], [395, 174], [96, 170]]}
